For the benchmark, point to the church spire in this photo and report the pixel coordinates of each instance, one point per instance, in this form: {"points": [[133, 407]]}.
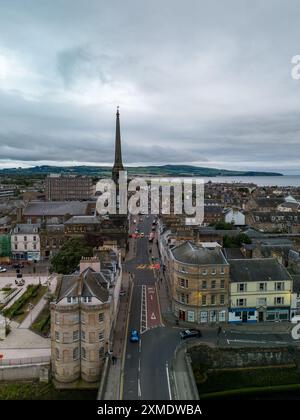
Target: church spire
{"points": [[118, 165]]}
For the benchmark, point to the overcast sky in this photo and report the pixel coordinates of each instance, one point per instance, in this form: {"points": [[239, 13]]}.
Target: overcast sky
{"points": [[198, 82]]}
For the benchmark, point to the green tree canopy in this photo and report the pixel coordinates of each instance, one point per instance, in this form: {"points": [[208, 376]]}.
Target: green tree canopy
{"points": [[67, 259], [237, 241]]}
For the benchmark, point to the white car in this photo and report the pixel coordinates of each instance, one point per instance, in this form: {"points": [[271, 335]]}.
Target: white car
{"points": [[2, 270], [295, 319]]}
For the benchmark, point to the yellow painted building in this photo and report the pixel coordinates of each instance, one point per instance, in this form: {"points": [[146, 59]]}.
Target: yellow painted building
{"points": [[260, 290]]}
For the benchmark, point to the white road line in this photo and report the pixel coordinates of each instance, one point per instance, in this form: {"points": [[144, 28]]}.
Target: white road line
{"points": [[139, 388], [257, 342], [139, 365], [168, 379]]}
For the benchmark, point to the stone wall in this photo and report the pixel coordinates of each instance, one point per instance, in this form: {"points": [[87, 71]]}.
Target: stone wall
{"points": [[25, 372], [213, 358]]}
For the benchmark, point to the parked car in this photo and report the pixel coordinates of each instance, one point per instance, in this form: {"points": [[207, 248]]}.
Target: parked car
{"points": [[122, 292], [16, 266], [19, 275], [190, 334], [2, 269], [142, 234], [134, 336], [295, 319]]}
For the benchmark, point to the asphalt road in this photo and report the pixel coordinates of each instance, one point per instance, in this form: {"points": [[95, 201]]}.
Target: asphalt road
{"points": [[145, 372], [147, 363]]}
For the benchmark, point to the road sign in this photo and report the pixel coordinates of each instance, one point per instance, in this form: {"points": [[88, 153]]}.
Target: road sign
{"points": [[153, 316]]}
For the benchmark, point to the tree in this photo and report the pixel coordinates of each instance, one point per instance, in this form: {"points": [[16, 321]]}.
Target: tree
{"points": [[67, 259], [223, 226], [237, 241]]}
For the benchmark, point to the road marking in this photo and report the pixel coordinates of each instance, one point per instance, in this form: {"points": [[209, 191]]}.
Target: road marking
{"points": [[139, 365], [257, 342], [140, 345], [143, 322], [168, 379], [159, 309], [153, 316], [139, 388]]}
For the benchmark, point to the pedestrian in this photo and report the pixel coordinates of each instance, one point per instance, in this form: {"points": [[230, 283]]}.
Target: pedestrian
{"points": [[161, 279], [219, 330]]}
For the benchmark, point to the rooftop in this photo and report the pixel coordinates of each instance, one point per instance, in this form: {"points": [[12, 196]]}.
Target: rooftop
{"points": [[190, 253], [88, 283], [257, 269], [55, 208]]}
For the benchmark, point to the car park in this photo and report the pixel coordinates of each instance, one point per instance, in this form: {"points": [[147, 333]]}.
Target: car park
{"points": [[191, 333], [134, 336]]}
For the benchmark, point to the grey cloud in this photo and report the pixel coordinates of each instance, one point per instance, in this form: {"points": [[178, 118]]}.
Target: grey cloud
{"points": [[197, 81]]}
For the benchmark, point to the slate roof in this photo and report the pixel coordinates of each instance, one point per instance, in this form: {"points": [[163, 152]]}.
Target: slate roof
{"points": [[257, 269], [55, 208], [253, 233], [204, 231], [27, 229], [296, 283], [268, 202], [88, 283], [190, 253], [75, 220], [233, 253]]}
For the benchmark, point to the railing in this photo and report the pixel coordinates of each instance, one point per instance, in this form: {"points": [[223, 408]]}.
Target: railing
{"points": [[24, 361]]}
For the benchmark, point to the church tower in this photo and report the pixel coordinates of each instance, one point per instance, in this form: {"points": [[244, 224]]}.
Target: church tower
{"points": [[118, 165]]}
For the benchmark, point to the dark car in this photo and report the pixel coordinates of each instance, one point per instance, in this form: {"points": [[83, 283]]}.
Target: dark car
{"points": [[17, 266], [190, 334]]}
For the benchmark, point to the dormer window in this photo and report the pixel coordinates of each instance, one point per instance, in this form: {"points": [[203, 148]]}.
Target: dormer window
{"points": [[87, 299]]}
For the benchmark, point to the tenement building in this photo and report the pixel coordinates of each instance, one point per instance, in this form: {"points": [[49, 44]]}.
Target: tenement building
{"points": [[82, 319], [199, 278], [68, 187]]}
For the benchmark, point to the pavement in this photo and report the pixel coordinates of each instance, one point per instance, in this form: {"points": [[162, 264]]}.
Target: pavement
{"points": [[36, 310], [112, 390]]}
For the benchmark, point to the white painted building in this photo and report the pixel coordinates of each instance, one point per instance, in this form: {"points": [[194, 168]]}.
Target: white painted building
{"points": [[235, 217], [295, 297], [25, 242]]}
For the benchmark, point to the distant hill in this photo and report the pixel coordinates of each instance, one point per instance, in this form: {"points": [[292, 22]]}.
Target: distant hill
{"points": [[165, 170]]}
